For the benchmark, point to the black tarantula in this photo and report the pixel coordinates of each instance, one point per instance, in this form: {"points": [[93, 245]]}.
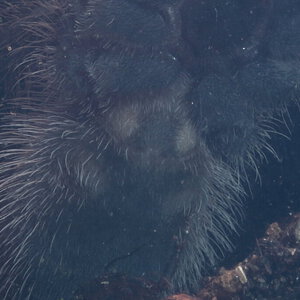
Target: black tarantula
{"points": [[126, 130]]}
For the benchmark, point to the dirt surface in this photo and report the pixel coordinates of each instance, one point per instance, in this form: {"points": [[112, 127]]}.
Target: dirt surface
{"points": [[271, 271]]}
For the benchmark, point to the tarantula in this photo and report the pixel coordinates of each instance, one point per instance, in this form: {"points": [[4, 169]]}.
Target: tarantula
{"points": [[127, 128]]}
